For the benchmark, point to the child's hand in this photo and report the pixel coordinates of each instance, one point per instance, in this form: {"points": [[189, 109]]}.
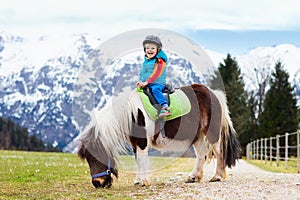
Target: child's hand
{"points": [[142, 84]]}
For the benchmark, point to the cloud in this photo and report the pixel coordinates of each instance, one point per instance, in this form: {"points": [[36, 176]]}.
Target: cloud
{"points": [[114, 16]]}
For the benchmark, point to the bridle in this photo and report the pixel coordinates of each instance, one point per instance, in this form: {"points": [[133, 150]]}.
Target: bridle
{"points": [[107, 172]]}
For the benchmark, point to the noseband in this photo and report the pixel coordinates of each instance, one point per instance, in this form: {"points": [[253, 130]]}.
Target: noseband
{"points": [[107, 172]]}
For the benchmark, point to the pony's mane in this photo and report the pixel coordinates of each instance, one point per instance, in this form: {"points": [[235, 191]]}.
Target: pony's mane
{"points": [[109, 128], [136, 104]]}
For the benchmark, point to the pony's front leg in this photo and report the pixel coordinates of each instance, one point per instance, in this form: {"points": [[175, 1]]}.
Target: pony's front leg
{"points": [[196, 174], [220, 170], [142, 162]]}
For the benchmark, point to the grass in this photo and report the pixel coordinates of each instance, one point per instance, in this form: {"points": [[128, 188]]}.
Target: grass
{"points": [[40, 175], [292, 166]]}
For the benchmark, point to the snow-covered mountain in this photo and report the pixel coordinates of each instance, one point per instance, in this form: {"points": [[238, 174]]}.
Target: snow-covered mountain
{"points": [[50, 84], [263, 59], [37, 78]]}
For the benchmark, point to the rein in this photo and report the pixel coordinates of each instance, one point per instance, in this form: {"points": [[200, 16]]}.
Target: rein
{"points": [[107, 172]]}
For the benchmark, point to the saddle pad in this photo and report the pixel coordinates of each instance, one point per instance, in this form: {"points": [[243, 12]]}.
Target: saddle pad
{"points": [[179, 105]]}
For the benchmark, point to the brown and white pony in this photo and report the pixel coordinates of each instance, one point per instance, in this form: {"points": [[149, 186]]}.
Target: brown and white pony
{"points": [[207, 127]]}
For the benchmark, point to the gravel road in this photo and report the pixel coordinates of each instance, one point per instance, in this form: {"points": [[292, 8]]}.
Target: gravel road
{"points": [[244, 181]]}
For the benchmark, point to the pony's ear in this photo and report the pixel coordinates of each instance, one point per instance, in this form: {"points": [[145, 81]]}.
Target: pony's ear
{"points": [[82, 152]]}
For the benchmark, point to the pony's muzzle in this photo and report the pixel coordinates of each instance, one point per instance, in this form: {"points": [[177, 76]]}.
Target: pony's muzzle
{"points": [[102, 182]]}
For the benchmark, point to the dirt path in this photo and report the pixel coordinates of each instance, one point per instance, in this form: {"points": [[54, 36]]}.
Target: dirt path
{"points": [[244, 181]]}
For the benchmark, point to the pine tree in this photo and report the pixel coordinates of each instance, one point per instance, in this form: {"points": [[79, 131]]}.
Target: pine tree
{"points": [[15, 137], [233, 83], [280, 110]]}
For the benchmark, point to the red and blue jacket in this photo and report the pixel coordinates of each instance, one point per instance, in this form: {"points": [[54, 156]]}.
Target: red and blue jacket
{"points": [[154, 70]]}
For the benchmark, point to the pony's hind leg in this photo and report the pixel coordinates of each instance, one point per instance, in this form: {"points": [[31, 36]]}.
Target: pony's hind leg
{"points": [[220, 170], [201, 150], [142, 162]]}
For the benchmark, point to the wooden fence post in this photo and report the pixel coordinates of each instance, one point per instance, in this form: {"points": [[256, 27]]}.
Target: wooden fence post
{"points": [[250, 151], [247, 151], [266, 151], [257, 148], [286, 157], [261, 149], [253, 149], [277, 150], [271, 151]]}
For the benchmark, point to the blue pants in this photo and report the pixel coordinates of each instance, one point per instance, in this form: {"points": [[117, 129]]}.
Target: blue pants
{"points": [[157, 92]]}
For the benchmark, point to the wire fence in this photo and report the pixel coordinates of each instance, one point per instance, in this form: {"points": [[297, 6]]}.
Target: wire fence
{"points": [[284, 147]]}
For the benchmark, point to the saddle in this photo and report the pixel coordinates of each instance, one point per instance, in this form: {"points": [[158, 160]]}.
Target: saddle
{"points": [[179, 103], [177, 100], [166, 92]]}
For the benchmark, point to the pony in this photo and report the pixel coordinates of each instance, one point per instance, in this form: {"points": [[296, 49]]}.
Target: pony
{"points": [[207, 128]]}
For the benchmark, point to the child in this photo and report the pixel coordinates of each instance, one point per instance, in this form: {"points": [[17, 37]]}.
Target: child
{"points": [[153, 72]]}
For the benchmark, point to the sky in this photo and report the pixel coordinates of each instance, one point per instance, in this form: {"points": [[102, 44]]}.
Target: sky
{"points": [[225, 26]]}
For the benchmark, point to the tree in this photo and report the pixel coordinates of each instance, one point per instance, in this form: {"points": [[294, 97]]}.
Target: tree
{"points": [[237, 97], [259, 73], [253, 103], [15, 137], [280, 110]]}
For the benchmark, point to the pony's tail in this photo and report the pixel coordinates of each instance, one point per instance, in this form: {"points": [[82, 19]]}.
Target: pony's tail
{"points": [[229, 142], [231, 146]]}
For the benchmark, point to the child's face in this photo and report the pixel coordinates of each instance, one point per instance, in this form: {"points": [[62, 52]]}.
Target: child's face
{"points": [[150, 50]]}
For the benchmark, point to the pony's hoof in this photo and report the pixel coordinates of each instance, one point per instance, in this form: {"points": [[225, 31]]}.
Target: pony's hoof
{"points": [[215, 179], [138, 183], [147, 183], [190, 180], [142, 183]]}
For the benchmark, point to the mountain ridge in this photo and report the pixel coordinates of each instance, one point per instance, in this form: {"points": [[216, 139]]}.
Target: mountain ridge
{"points": [[38, 79]]}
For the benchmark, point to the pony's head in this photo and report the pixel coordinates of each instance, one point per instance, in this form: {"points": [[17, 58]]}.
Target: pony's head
{"points": [[101, 162], [103, 140]]}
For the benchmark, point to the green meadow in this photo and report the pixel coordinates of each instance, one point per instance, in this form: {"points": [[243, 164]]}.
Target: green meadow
{"points": [[40, 175]]}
